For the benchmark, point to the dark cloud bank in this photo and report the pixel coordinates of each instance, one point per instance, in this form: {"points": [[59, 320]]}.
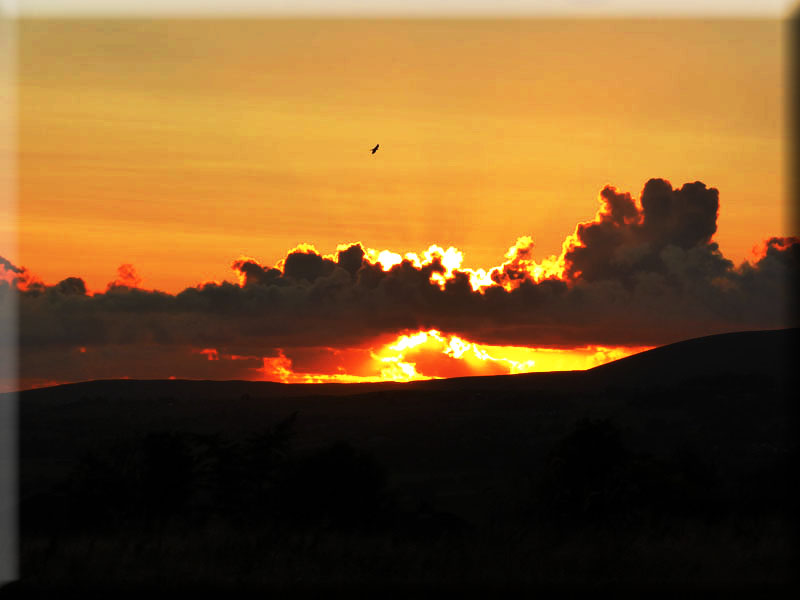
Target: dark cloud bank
{"points": [[639, 274]]}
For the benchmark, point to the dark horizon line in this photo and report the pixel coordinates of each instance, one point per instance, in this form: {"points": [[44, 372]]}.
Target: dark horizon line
{"points": [[401, 384]]}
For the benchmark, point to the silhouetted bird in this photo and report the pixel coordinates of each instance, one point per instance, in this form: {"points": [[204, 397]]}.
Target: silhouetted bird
{"points": [[375, 149]]}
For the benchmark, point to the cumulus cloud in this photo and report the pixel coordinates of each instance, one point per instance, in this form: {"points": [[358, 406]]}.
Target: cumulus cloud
{"points": [[626, 239], [639, 273], [126, 277]]}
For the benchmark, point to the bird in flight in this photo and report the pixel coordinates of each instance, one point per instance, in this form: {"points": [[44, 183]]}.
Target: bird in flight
{"points": [[375, 149]]}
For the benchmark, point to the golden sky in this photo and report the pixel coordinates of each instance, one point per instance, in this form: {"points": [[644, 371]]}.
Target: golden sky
{"points": [[179, 145]]}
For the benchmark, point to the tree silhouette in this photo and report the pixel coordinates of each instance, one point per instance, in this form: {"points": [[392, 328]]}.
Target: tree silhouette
{"points": [[592, 478], [244, 474], [582, 476], [336, 487]]}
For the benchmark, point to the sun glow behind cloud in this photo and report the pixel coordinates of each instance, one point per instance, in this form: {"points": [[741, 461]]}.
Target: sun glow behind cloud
{"points": [[643, 272], [448, 262], [431, 354], [410, 355]]}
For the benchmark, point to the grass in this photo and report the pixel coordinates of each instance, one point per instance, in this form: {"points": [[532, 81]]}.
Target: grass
{"points": [[690, 554]]}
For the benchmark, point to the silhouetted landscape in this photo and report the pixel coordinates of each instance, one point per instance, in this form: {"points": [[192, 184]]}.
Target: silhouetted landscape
{"points": [[674, 468]]}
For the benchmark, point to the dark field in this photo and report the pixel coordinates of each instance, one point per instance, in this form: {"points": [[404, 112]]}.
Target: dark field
{"points": [[675, 468]]}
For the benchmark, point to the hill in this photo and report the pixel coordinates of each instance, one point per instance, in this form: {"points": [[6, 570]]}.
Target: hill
{"points": [[757, 353]]}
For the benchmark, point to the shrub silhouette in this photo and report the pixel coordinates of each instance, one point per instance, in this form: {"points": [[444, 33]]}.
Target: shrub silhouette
{"points": [[143, 482], [591, 477], [243, 475], [583, 479], [167, 475], [98, 495], [150, 480], [336, 487]]}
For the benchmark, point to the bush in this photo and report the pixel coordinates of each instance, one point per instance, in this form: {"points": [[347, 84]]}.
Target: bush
{"points": [[337, 487], [592, 478]]}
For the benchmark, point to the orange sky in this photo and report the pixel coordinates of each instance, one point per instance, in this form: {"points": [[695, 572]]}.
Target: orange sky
{"points": [[177, 146], [155, 153]]}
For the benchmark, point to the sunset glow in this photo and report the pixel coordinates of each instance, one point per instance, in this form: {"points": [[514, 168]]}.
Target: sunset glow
{"points": [[199, 199], [177, 145], [458, 296], [433, 355]]}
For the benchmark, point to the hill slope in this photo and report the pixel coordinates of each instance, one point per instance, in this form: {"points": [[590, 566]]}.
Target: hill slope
{"points": [[765, 353]]}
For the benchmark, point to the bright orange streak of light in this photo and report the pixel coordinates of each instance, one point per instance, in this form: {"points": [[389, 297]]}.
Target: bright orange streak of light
{"points": [[512, 359], [279, 368], [432, 355]]}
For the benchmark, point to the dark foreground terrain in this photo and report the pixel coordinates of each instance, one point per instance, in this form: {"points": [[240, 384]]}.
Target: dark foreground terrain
{"points": [[675, 468]]}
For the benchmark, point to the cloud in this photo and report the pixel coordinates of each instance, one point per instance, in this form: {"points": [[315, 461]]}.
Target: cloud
{"points": [[17, 277], [8, 266], [72, 285], [126, 278], [252, 273], [639, 273], [625, 239]]}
